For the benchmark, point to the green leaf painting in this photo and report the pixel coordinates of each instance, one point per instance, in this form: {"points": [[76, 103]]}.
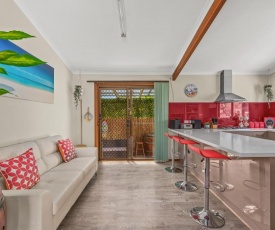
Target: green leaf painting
{"points": [[14, 63], [23, 60], [2, 71], [14, 35], [5, 89], [5, 54]]}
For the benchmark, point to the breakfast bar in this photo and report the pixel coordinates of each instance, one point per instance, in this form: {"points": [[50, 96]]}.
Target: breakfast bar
{"points": [[248, 178]]}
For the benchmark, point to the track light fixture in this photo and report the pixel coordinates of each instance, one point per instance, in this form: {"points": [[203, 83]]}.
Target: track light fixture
{"points": [[122, 17]]}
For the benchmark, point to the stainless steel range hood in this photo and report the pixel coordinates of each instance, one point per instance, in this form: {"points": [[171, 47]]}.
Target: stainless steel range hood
{"points": [[226, 94]]}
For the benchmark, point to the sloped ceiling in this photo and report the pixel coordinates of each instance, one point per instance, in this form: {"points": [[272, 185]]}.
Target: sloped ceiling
{"points": [[86, 35], [242, 38]]}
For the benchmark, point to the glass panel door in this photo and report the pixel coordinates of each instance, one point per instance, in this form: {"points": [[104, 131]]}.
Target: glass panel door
{"points": [[127, 123]]}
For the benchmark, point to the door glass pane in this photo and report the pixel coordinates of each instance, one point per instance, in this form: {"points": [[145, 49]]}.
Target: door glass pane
{"points": [[113, 124], [143, 122]]}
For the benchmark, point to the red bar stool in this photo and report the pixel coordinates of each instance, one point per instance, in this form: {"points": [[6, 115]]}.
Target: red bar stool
{"points": [[185, 185], [202, 215], [172, 169]]}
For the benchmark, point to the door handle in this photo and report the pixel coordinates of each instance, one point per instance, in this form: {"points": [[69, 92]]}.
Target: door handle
{"points": [[99, 119]]}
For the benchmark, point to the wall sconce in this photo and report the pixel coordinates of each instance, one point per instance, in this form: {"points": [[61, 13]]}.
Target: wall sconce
{"points": [[88, 116], [122, 17]]}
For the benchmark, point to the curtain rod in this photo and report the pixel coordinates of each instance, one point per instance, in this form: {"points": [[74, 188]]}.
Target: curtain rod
{"points": [[127, 81]]}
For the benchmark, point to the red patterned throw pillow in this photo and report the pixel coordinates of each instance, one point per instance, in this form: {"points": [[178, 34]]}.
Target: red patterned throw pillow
{"points": [[20, 172], [66, 149]]}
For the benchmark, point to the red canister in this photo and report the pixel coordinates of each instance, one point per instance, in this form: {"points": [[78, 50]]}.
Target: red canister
{"points": [[261, 124], [251, 124], [257, 124]]}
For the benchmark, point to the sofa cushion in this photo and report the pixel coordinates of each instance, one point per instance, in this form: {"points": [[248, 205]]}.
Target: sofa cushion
{"points": [[86, 152], [84, 164], [20, 172], [66, 149], [61, 184], [49, 151], [17, 149]]}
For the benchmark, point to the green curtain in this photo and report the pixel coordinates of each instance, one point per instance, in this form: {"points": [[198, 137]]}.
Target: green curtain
{"points": [[161, 121]]}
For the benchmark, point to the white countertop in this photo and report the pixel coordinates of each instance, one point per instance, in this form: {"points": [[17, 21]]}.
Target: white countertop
{"points": [[239, 145]]}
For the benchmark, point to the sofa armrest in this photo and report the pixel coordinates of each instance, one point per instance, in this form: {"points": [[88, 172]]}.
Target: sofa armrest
{"points": [[87, 152], [29, 209]]}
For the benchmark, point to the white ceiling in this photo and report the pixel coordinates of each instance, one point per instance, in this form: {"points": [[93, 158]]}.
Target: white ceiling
{"points": [[86, 35]]}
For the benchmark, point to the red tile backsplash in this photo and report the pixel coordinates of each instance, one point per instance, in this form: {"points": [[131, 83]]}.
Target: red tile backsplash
{"points": [[227, 113]]}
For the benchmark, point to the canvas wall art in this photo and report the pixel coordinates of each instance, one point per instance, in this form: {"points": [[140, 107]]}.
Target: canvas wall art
{"points": [[23, 75]]}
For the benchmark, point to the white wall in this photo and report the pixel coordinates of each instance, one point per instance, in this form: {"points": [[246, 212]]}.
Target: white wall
{"points": [[272, 81], [88, 101], [249, 87], [22, 120]]}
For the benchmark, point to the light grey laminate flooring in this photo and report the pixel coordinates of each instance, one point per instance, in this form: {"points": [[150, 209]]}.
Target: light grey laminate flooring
{"points": [[139, 195]]}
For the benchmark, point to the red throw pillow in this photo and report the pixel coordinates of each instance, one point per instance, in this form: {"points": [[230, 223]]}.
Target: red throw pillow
{"points": [[20, 172], [66, 149]]}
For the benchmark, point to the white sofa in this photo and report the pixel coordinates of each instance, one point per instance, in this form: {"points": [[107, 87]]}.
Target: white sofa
{"points": [[44, 206]]}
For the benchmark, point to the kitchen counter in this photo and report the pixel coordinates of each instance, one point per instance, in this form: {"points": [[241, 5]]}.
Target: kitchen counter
{"points": [[229, 141], [248, 178]]}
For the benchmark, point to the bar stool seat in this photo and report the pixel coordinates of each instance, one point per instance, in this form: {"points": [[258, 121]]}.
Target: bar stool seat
{"points": [[185, 185], [202, 215], [172, 168]]}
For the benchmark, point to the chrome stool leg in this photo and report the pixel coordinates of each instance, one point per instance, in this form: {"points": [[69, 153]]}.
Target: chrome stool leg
{"points": [[202, 215], [185, 185], [172, 168]]}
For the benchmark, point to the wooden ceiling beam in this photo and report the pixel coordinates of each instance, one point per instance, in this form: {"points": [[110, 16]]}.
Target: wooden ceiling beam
{"points": [[206, 23]]}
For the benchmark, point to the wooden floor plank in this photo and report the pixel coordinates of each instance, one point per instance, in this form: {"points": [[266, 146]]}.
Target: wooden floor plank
{"points": [[140, 196]]}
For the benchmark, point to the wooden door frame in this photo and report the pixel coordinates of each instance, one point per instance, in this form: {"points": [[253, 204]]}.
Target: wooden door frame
{"points": [[111, 84]]}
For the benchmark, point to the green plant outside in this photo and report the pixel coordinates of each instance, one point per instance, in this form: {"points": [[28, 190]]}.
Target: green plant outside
{"points": [[116, 108]]}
